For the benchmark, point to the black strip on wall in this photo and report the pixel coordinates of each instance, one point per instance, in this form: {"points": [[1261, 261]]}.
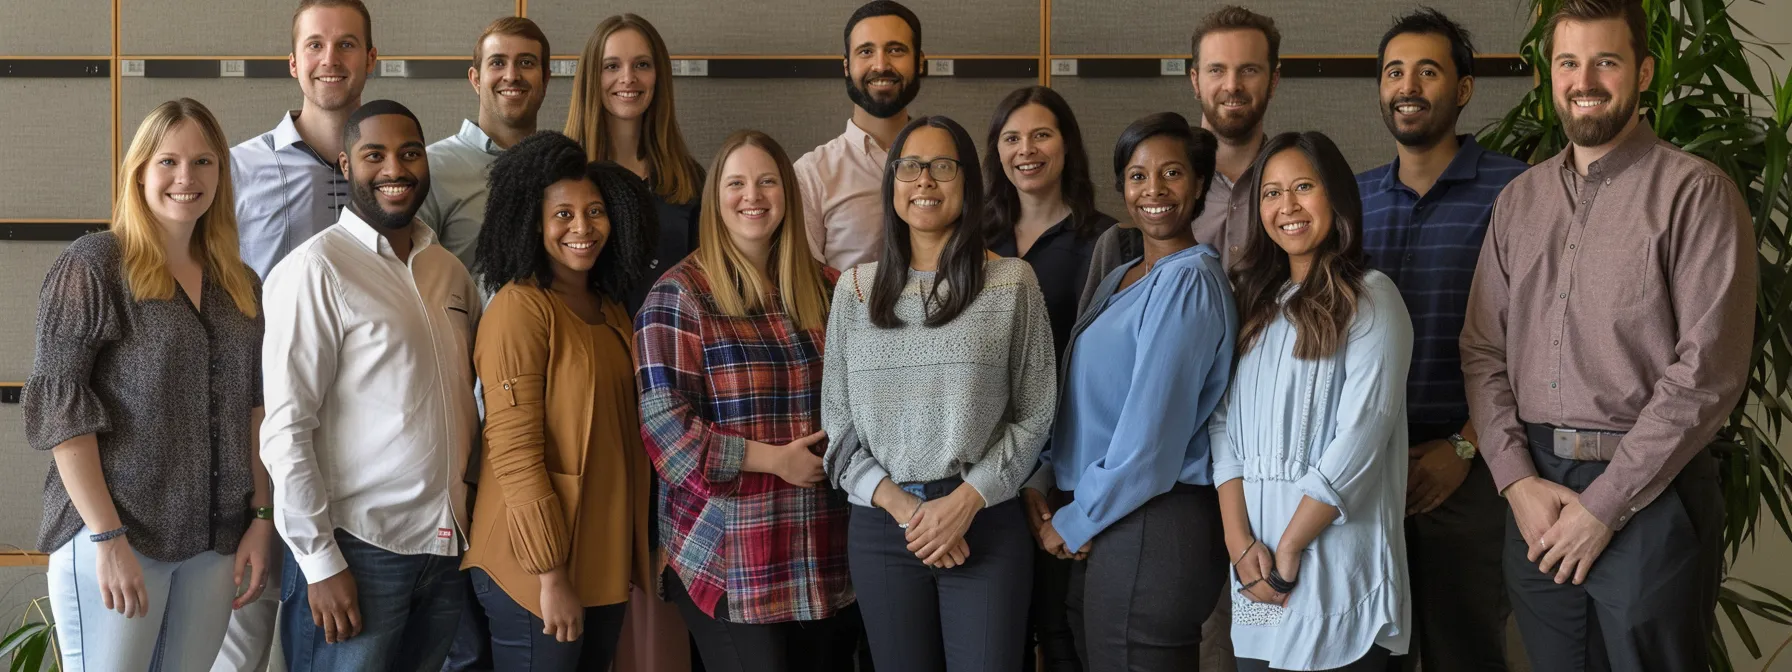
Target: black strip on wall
{"points": [[9, 394], [50, 231], [1305, 68], [61, 68], [725, 68]]}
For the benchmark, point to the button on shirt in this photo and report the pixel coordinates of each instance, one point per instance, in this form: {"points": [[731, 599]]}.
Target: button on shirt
{"points": [[459, 166], [285, 194], [1620, 301], [843, 198], [369, 390], [1428, 246]]}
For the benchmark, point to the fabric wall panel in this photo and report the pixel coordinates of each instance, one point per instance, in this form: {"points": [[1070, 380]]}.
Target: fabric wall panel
{"points": [[1344, 109], [235, 28], [62, 28], [21, 493], [1307, 27], [798, 113], [249, 107], [804, 27], [58, 160], [22, 268]]}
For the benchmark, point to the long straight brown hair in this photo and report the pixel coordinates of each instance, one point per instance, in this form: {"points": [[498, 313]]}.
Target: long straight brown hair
{"points": [[674, 174], [1325, 303], [735, 283], [214, 243]]}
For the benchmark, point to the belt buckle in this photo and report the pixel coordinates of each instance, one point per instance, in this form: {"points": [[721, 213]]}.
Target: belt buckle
{"points": [[916, 489], [1567, 443]]}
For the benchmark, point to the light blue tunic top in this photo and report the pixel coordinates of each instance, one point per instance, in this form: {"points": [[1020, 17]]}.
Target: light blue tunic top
{"points": [[1332, 429], [1145, 368]]}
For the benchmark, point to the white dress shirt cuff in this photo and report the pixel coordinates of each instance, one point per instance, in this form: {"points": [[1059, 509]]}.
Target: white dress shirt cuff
{"points": [[322, 564]]}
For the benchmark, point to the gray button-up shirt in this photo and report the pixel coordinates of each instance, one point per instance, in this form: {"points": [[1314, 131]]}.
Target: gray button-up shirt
{"points": [[459, 167], [285, 194]]}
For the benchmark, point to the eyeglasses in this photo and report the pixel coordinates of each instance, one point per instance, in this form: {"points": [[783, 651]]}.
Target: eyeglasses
{"points": [[909, 170]]}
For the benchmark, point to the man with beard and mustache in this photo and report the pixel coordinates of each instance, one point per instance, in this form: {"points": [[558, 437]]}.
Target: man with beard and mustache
{"points": [[842, 180], [1607, 339], [1237, 61], [287, 184], [286, 192], [510, 75], [367, 376], [1424, 216]]}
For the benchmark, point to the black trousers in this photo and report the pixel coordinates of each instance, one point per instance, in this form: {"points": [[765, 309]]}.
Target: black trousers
{"points": [[1375, 660], [1151, 579], [826, 645], [971, 618], [1648, 602], [1459, 601]]}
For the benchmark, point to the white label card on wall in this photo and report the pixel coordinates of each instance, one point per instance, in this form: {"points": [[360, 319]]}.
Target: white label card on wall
{"points": [[231, 67], [563, 68], [1064, 66], [130, 67], [1172, 66], [394, 69], [939, 67], [690, 67]]}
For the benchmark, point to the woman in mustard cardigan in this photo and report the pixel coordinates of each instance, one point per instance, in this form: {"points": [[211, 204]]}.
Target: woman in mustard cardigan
{"points": [[560, 527]]}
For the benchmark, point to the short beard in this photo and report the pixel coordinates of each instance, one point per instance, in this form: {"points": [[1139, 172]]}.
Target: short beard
{"points": [[883, 109], [1427, 135], [1599, 129], [365, 200], [1234, 129]]}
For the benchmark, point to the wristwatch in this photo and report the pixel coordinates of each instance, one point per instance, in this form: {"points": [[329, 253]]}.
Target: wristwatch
{"points": [[262, 512], [1464, 449]]}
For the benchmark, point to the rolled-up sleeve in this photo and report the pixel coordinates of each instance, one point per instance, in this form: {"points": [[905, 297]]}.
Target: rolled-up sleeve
{"points": [[688, 450], [76, 317], [1372, 404], [511, 355]]}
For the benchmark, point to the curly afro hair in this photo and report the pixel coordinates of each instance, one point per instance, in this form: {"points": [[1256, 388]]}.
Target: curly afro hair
{"points": [[510, 244]]}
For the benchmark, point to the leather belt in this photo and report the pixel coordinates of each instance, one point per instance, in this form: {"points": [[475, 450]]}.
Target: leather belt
{"points": [[1587, 445]]}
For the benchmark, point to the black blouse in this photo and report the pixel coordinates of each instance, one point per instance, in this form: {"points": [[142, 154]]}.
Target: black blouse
{"points": [[167, 390], [1060, 259]]}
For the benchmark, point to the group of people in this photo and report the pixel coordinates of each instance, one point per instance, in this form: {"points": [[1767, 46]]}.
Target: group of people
{"points": [[897, 404]]}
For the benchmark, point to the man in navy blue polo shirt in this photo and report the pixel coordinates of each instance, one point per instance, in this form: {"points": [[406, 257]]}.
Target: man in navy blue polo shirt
{"points": [[1424, 216]]}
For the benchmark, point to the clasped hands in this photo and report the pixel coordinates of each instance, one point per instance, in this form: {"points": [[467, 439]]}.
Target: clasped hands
{"points": [[1561, 536], [935, 528], [1253, 566]]}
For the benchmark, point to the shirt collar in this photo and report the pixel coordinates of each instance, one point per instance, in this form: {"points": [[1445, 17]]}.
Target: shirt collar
{"points": [[1464, 167], [367, 235], [474, 136], [1640, 140], [857, 137], [286, 134]]}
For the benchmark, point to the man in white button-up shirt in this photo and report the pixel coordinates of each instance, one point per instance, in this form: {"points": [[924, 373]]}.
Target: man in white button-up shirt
{"points": [[368, 371]]}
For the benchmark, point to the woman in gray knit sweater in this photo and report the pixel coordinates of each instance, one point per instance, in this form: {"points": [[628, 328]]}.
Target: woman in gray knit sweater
{"points": [[937, 392]]}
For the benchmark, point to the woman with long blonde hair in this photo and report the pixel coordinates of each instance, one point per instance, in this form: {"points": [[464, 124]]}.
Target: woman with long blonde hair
{"points": [[730, 344], [623, 111], [146, 388]]}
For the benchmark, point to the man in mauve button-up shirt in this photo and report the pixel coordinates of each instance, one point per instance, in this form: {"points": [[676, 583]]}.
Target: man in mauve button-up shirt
{"points": [[1615, 293], [843, 179]]}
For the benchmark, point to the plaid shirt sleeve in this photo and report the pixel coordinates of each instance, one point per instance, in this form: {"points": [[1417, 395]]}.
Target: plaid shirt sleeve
{"points": [[687, 450]]}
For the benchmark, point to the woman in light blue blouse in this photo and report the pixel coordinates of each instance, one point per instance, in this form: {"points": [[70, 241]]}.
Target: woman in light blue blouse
{"points": [[1309, 448], [1146, 365]]}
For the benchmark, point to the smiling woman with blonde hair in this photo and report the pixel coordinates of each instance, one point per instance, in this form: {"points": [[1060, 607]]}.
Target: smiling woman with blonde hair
{"points": [[146, 388]]}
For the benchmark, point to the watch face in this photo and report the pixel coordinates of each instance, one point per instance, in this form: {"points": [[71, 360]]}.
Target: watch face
{"points": [[1464, 449]]}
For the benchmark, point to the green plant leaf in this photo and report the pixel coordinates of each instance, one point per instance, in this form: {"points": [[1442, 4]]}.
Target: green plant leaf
{"points": [[20, 636]]}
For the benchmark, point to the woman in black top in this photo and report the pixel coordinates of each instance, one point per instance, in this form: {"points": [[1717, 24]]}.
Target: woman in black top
{"points": [[1041, 207], [147, 388]]}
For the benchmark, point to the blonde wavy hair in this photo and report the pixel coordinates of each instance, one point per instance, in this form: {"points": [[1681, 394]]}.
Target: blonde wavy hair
{"points": [[214, 237], [735, 283]]}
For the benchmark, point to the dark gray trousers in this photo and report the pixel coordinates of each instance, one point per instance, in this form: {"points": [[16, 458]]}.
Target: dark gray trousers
{"points": [[1374, 661], [971, 618], [1459, 601], [1137, 603], [1648, 602]]}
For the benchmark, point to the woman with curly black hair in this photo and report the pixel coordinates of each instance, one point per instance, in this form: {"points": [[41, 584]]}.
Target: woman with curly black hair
{"points": [[561, 529]]}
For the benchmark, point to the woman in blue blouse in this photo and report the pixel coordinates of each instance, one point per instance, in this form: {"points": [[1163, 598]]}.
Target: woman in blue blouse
{"points": [[1310, 447], [1147, 364]]}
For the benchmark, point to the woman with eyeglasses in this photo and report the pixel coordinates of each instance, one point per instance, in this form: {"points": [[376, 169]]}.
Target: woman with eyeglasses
{"points": [[937, 393]]}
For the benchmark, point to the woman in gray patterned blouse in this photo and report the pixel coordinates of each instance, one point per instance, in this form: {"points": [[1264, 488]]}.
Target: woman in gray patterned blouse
{"points": [[938, 388], [146, 387]]}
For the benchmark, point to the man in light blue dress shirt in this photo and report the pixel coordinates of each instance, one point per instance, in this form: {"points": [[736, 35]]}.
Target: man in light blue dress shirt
{"points": [[288, 188], [510, 73]]}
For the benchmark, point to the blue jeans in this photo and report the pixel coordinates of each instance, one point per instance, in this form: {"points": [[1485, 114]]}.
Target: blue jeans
{"points": [[519, 646], [189, 608], [410, 605]]}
